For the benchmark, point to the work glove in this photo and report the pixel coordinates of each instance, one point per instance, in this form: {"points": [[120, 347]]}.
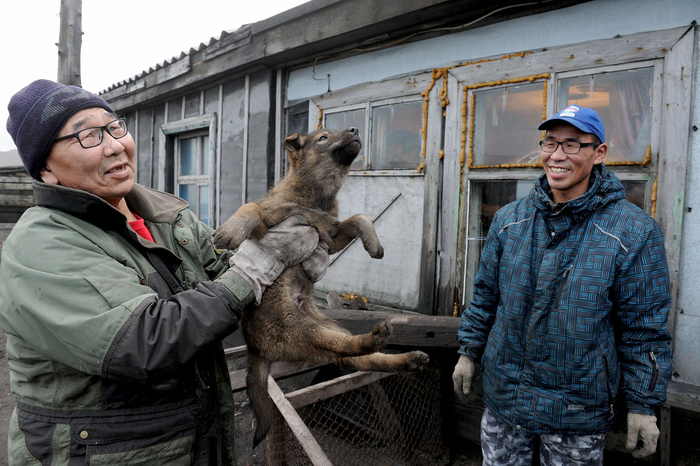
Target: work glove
{"points": [[260, 261], [644, 427], [462, 376]]}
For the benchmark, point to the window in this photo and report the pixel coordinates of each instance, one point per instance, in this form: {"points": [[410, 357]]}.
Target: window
{"points": [[623, 101], [186, 159], [354, 118], [507, 110], [394, 129], [501, 138], [193, 180]]}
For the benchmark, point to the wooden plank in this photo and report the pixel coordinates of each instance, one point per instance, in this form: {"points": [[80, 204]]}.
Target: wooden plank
{"points": [[684, 396], [15, 183], [433, 180], [619, 50], [17, 200], [409, 329], [296, 424], [337, 386], [279, 370], [398, 87], [673, 156], [450, 204]]}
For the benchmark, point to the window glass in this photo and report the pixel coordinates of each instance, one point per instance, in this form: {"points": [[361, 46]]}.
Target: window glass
{"points": [[505, 125], [486, 197], [623, 101], [634, 192], [193, 179], [205, 159], [203, 208], [396, 136], [188, 193], [351, 118], [188, 154]]}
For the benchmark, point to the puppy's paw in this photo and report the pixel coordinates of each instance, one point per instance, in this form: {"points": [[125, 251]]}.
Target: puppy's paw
{"points": [[376, 252], [416, 360], [227, 238], [381, 332]]}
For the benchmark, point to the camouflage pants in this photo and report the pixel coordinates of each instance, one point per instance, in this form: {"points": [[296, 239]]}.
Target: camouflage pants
{"points": [[502, 445]]}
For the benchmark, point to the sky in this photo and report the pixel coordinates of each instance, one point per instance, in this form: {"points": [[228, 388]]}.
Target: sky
{"points": [[147, 32]]}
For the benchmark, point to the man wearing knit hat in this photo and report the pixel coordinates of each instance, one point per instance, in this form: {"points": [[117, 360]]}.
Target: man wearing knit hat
{"points": [[114, 300], [569, 311]]}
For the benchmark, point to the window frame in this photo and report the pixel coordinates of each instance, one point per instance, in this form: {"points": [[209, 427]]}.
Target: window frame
{"points": [[168, 163], [368, 106], [197, 180]]}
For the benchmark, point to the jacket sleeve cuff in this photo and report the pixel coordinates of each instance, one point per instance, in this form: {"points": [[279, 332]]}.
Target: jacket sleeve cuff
{"points": [[639, 408], [238, 286]]}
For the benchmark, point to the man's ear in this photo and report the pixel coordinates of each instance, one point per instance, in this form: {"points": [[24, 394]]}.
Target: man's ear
{"points": [[600, 153], [47, 176]]}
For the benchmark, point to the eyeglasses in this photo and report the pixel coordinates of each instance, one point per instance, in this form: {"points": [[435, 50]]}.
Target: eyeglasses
{"points": [[92, 137], [569, 147]]}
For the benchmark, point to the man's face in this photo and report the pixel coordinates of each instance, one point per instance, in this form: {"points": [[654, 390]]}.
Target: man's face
{"points": [[106, 170], [568, 174]]}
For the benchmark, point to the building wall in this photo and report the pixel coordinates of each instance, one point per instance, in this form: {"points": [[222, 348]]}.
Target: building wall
{"points": [[598, 19], [685, 364]]}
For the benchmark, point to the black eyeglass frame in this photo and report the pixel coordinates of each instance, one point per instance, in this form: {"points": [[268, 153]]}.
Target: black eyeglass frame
{"points": [[581, 145], [122, 123]]}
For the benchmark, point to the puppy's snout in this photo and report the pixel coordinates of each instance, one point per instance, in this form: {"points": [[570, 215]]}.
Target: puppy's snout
{"points": [[354, 130]]}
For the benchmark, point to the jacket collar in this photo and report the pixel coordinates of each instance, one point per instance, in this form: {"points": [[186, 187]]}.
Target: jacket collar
{"points": [[604, 188], [152, 205]]}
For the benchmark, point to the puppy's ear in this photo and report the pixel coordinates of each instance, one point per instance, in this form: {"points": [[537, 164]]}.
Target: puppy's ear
{"points": [[294, 143]]}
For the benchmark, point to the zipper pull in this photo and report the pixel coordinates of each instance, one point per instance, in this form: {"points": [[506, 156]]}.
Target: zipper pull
{"points": [[568, 271], [653, 358], [612, 411]]}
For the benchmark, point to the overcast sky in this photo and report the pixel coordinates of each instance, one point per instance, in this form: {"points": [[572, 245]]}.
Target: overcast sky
{"points": [[120, 38]]}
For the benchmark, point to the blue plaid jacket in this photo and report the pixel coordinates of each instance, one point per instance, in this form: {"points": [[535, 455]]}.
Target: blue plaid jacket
{"points": [[570, 305]]}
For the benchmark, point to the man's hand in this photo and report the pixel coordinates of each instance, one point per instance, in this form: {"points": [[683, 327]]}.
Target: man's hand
{"points": [[288, 243], [462, 376], [642, 426]]}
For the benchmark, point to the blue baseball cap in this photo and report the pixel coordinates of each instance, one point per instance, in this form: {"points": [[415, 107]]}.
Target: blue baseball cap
{"points": [[585, 119]]}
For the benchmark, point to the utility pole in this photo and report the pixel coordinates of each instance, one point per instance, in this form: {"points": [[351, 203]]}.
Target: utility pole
{"points": [[69, 42]]}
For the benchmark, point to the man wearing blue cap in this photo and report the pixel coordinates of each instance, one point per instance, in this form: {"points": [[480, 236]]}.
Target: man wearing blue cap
{"points": [[569, 312]]}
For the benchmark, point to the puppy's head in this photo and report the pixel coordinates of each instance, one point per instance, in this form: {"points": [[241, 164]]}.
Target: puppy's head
{"points": [[324, 147]]}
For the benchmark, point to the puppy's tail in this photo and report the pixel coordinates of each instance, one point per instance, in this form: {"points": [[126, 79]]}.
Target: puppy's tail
{"points": [[263, 406]]}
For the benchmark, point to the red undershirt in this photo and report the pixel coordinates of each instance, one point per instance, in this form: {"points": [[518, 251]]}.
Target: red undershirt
{"points": [[139, 226]]}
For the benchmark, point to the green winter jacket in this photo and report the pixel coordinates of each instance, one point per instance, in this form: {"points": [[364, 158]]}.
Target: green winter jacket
{"points": [[114, 342]]}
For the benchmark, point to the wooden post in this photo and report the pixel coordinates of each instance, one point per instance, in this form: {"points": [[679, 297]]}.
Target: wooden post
{"points": [[665, 439], [296, 424], [69, 42]]}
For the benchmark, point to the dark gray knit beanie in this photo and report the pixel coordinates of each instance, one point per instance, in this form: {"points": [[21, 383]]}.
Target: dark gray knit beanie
{"points": [[37, 114]]}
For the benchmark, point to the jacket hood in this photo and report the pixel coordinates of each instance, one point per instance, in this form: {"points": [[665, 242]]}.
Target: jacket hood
{"points": [[605, 188], [152, 205]]}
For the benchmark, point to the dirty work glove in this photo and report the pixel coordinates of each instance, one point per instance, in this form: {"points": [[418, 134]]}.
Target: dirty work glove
{"points": [[261, 261], [462, 376], [644, 426], [316, 265]]}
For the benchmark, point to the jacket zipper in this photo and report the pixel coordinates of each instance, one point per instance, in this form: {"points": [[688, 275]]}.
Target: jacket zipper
{"points": [[654, 371], [607, 386], [563, 281]]}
